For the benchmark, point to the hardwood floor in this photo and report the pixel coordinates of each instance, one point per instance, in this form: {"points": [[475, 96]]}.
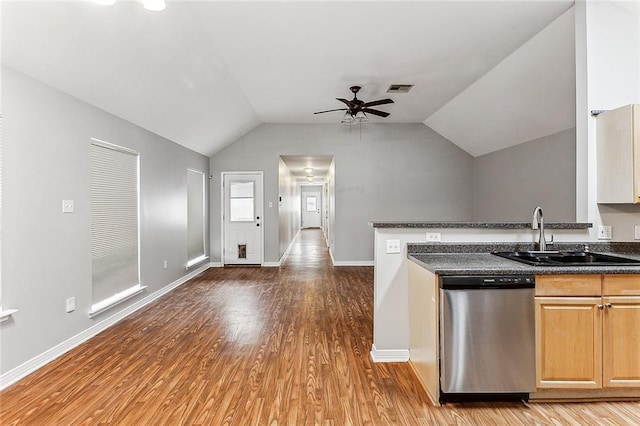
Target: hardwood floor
{"points": [[253, 346]]}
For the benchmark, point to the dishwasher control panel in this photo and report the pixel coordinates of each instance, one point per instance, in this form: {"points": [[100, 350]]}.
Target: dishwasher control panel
{"points": [[487, 281]]}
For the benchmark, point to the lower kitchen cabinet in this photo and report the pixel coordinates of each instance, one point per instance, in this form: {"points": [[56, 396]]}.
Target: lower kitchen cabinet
{"points": [[423, 329], [568, 342], [586, 340], [621, 331]]}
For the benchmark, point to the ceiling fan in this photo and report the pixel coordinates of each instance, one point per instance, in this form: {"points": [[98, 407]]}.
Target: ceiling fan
{"points": [[356, 106]]}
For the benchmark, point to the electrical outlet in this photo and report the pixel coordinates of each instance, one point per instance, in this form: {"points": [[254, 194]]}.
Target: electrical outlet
{"points": [[434, 236], [636, 232], [604, 232], [71, 304], [165, 264], [67, 206], [393, 246]]}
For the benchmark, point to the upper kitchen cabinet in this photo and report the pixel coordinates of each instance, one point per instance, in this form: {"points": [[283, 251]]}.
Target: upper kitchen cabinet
{"points": [[618, 159]]}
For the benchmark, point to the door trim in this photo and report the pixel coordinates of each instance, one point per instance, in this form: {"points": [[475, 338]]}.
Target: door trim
{"points": [[222, 236]]}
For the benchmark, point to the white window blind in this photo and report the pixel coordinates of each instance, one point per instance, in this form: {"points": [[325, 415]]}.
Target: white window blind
{"points": [[114, 220], [0, 209], [195, 214]]}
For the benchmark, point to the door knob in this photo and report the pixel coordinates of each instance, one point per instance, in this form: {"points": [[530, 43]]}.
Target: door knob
{"points": [[257, 217], [257, 224]]}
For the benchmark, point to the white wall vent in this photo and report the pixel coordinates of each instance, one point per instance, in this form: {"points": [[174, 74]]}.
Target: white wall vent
{"points": [[399, 88]]}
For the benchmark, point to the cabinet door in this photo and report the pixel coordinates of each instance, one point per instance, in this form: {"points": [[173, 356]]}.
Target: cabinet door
{"points": [[616, 135], [423, 328], [568, 342], [621, 342]]}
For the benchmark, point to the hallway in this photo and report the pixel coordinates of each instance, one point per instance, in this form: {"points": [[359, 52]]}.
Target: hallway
{"points": [[247, 346]]}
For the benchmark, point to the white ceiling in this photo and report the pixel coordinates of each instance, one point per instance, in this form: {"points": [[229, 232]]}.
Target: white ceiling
{"points": [[532, 91], [204, 73]]}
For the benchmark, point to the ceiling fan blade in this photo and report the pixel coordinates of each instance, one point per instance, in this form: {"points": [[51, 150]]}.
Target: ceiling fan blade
{"points": [[375, 103], [376, 112], [331, 110], [346, 101]]}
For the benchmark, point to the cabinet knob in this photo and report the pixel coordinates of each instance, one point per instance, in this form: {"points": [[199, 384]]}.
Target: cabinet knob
{"points": [[600, 307], [608, 305]]}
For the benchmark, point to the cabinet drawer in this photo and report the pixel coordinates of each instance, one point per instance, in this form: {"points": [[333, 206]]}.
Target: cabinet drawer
{"points": [[568, 285], [621, 285]]}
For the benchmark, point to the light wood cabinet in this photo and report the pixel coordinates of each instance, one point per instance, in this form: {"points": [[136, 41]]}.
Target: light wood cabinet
{"points": [[568, 342], [590, 341], [621, 330], [618, 154], [423, 329], [621, 342]]}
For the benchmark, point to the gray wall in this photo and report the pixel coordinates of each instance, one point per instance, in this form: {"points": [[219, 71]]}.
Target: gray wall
{"points": [[288, 208], [46, 254], [388, 172], [510, 183]]}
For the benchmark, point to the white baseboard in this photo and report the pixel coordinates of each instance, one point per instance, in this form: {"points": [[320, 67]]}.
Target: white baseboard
{"points": [[21, 371], [286, 252], [333, 261], [389, 355], [349, 262], [215, 264], [270, 264], [352, 263]]}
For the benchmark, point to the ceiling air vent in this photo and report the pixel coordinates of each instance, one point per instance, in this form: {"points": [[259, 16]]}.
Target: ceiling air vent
{"points": [[399, 88]]}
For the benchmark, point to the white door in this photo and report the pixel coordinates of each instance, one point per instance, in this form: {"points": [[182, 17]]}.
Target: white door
{"points": [[312, 208], [242, 219]]}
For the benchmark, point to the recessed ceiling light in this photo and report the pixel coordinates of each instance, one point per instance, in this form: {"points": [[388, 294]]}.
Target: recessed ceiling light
{"points": [[308, 169], [154, 5]]}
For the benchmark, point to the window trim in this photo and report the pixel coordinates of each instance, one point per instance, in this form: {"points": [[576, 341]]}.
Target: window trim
{"points": [[116, 299]]}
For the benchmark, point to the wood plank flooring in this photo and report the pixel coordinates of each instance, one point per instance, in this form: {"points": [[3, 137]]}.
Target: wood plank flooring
{"points": [[258, 346]]}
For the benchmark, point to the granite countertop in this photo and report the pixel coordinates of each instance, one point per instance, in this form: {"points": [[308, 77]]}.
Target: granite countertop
{"points": [[476, 259], [479, 225]]}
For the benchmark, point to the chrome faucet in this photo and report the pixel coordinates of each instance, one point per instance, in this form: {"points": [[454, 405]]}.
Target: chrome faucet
{"points": [[538, 223]]}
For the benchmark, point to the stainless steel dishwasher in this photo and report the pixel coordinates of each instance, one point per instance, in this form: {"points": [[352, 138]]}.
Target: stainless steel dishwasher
{"points": [[487, 337]]}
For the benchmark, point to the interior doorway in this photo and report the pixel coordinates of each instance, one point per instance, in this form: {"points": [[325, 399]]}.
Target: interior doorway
{"points": [[315, 175]]}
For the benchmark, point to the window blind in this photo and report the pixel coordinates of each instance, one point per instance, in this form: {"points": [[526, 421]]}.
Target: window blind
{"points": [[1, 208], [195, 214], [114, 220]]}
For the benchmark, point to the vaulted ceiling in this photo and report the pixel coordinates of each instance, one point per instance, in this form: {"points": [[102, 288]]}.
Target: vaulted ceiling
{"points": [[203, 73]]}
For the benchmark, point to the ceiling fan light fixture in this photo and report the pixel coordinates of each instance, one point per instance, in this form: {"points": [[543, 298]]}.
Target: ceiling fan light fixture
{"points": [[348, 118], [154, 5], [361, 117]]}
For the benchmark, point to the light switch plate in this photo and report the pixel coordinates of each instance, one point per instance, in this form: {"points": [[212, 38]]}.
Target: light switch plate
{"points": [[636, 232], [393, 246], [71, 304], [67, 206]]}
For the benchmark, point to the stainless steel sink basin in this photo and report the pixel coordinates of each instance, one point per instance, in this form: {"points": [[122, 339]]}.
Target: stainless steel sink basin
{"points": [[566, 258]]}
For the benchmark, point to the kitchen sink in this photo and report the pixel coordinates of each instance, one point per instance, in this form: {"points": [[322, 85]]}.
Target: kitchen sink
{"points": [[565, 258]]}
